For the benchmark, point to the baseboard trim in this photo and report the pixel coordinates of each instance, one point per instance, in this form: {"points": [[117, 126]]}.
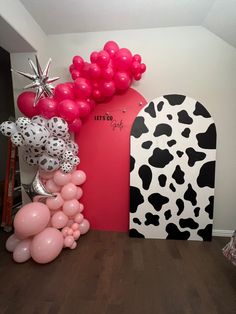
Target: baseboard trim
{"points": [[222, 233]]}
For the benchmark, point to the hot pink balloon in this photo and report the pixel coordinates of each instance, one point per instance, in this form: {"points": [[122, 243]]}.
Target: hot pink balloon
{"points": [[59, 220], [97, 95], [21, 253], [68, 241], [46, 245], [123, 59], [25, 102], [71, 68], [71, 207], [108, 73], [79, 193], [82, 88], [75, 125], [68, 110], [75, 74], [47, 107], [91, 103], [84, 226], [137, 58], [79, 218], [12, 242], [122, 80], [103, 58], [78, 177], [78, 62], [107, 88], [94, 56], [69, 191], [111, 47], [84, 108], [137, 76], [135, 67], [54, 203], [142, 67], [94, 71], [62, 92], [61, 178], [52, 187], [31, 219]]}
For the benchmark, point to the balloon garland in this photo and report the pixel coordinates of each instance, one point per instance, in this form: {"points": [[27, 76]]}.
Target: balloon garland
{"points": [[54, 218]]}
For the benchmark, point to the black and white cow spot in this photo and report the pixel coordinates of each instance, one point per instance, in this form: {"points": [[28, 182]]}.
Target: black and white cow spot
{"points": [[139, 127], [169, 116], [179, 153], [186, 132], [132, 163], [175, 100], [184, 117], [175, 233], [151, 110], [171, 143], [209, 207], [151, 219], [163, 129], [137, 221], [206, 175], [136, 198], [168, 214], [194, 156], [157, 200], [147, 144], [160, 158], [201, 111], [172, 187], [162, 180], [188, 223], [180, 205], [196, 211], [133, 233], [145, 174], [160, 106], [206, 233], [178, 175], [207, 139], [190, 195]]}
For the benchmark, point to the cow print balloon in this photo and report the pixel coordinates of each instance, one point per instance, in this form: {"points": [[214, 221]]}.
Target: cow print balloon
{"points": [[68, 156], [39, 120], [48, 163], [17, 139], [37, 152], [8, 128], [30, 159], [75, 161], [21, 123], [66, 138], [66, 167], [72, 146], [35, 135], [57, 126], [55, 146]]}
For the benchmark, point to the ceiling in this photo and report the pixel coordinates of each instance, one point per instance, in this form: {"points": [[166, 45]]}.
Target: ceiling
{"points": [[72, 16]]}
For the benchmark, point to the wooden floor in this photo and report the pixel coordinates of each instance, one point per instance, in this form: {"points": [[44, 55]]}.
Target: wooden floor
{"points": [[110, 273]]}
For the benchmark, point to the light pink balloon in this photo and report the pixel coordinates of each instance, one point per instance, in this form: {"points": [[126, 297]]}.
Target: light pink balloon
{"points": [[81, 207], [45, 174], [73, 246], [31, 219], [21, 253], [70, 223], [52, 187], [75, 226], [59, 220], [12, 242], [54, 203], [79, 218], [46, 245], [78, 177], [64, 231], [79, 193], [68, 241], [70, 231], [84, 226], [61, 178], [76, 234], [69, 191], [71, 207]]}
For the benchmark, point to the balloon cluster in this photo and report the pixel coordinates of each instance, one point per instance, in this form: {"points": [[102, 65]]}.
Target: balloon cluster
{"points": [[42, 230], [46, 143], [111, 71]]}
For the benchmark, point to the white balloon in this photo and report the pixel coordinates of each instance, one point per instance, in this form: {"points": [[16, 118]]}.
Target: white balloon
{"points": [[66, 167], [35, 135], [57, 126], [66, 137], [21, 123], [72, 146], [39, 120], [17, 139], [48, 163], [75, 161], [8, 128], [21, 252], [68, 156], [12, 242], [55, 146]]}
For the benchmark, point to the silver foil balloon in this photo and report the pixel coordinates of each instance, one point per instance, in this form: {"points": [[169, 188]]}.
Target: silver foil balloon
{"points": [[40, 79], [36, 188]]}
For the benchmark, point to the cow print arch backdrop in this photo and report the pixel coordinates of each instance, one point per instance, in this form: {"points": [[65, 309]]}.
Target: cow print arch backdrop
{"points": [[172, 170]]}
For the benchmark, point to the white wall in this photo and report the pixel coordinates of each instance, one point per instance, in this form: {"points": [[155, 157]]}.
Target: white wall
{"points": [[185, 60]]}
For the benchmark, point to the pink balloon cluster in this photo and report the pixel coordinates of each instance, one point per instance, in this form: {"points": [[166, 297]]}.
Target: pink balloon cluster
{"points": [[42, 230]]}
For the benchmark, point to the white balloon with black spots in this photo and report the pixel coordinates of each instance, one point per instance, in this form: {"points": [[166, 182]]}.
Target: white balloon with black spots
{"points": [[57, 126], [17, 139], [75, 161], [67, 137], [66, 167], [48, 163], [68, 156], [36, 151], [72, 146], [35, 135], [55, 146], [8, 128], [21, 123], [39, 120], [30, 159]]}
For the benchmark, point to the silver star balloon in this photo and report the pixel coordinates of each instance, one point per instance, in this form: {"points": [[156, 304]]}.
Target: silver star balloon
{"points": [[40, 79], [36, 188]]}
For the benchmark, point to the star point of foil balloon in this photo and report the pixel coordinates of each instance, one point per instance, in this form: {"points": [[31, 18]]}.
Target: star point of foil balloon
{"points": [[40, 79], [36, 188]]}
